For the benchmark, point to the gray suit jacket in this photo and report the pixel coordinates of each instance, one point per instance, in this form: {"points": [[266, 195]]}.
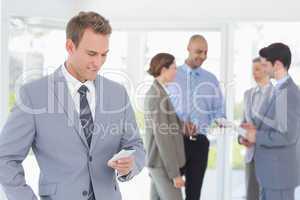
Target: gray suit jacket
{"points": [[46, 120], [278, 130], [164, 138], [248, 115]]}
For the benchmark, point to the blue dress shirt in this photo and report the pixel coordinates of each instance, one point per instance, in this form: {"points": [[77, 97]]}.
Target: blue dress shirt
{"points": [[197, 97]]}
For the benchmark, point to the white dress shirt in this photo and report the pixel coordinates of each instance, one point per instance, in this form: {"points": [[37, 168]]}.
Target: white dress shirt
{"points": [[73, 86]]}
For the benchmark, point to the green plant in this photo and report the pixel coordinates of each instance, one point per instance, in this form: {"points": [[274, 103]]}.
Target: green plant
{"points": [[11, 100], [212, 158]]}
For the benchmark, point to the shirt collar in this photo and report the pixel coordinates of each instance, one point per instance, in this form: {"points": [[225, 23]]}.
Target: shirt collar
{"points": [[189, 70], [281, 81], [263, 89], [74, 83]]}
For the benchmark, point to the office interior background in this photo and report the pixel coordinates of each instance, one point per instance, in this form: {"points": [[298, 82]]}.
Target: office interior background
{"points": [[32, 40]]}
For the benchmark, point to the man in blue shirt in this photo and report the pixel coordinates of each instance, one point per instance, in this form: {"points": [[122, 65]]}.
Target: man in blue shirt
{"points": [[198, 101]]}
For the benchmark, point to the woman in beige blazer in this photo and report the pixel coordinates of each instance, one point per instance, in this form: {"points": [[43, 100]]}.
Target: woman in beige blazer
{"points": [[164, 138]]}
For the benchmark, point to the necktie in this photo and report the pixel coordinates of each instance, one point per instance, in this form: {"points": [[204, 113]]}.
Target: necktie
{"points": [[87, 124], [86, 118]]}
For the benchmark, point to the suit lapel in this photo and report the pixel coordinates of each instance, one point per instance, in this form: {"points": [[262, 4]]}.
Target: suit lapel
{"points": [[66, 102], [159, 87], [268, 103], [169, 106], [265, 108], [250, 105]]}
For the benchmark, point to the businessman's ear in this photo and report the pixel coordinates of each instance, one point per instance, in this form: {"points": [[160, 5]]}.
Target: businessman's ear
{"points": [[278, 65], [70, 46]]}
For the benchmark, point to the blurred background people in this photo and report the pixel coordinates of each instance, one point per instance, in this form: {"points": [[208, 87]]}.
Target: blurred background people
{"points": [[253, 99], [198, 101], [164, 138], [275, 129]]}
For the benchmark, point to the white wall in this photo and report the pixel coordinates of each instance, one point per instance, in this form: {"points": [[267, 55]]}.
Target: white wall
{"points": [[165, 10], [51, 9], [3, 63], [209, 10]]}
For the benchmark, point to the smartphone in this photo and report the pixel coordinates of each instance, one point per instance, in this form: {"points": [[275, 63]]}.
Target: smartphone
{"points": [[124, 153]]}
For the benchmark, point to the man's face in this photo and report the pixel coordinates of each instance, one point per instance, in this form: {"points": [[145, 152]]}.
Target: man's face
{"points": [[87, 59], [197, 52], [258, 71], [268, 67]]}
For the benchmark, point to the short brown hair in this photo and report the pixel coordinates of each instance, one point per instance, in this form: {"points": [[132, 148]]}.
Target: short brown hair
{"points": [[256, 60], [84, 20], [158, 62]]}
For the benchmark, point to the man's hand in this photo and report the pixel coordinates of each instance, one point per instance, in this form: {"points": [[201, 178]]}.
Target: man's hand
{"points": [[251, 132], [189, 129], [123, 166], [245, 142], [178, 182]]}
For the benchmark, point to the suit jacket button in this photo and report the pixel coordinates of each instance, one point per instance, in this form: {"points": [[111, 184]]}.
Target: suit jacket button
{"points": [[84, 193], [90, 158]]}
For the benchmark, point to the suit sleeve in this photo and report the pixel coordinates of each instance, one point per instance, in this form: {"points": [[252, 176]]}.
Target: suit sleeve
{"points": [[164, 138], [16, 139], [284, 129], [131, 140]]}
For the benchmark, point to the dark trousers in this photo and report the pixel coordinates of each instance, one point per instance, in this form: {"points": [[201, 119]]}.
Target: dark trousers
{"points": [[196, 164]]}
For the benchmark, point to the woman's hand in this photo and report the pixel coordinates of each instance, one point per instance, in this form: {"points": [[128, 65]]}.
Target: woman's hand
{"points": [[179, 182]]}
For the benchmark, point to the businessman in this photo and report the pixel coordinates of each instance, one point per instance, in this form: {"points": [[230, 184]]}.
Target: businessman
{"points": [[75, 121], [253, 99], [275, 129], [198, 101]]}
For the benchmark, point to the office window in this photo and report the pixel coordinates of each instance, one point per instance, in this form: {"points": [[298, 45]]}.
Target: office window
{"points": [[34, 51]]}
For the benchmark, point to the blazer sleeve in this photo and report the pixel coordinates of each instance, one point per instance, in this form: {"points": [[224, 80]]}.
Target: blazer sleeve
{"points": [[16, 139], [283, 131], [131, 139], [164, 137]]}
